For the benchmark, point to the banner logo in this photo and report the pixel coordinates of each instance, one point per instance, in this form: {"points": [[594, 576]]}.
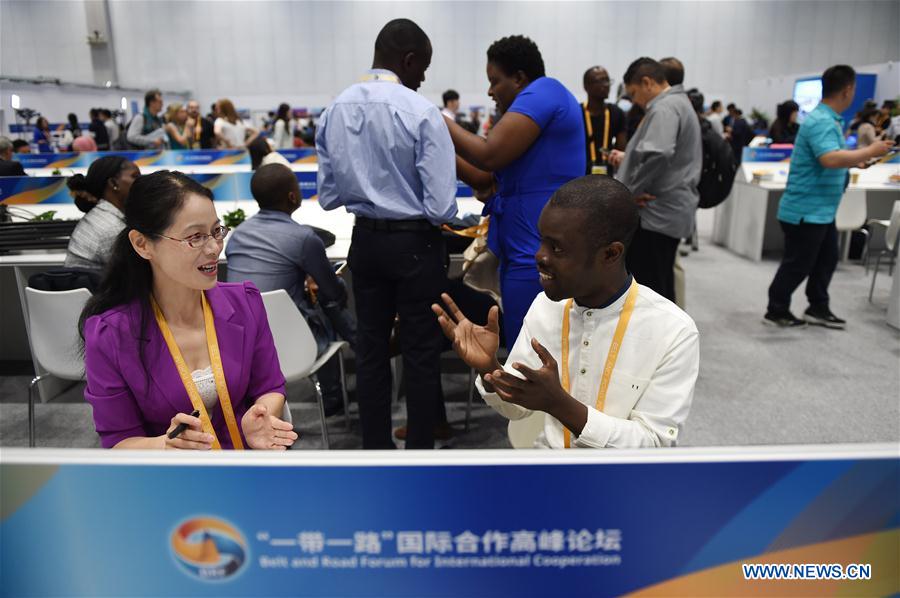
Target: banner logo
{"points": [[209, 548]]}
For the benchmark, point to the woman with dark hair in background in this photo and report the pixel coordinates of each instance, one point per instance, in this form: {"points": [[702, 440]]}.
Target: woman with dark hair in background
{"points": [[43, 136], [536, 147], [163, 338], [867, 133], [74, 126], [101, 196], [281, 135], [784, 128], [261, 153]]}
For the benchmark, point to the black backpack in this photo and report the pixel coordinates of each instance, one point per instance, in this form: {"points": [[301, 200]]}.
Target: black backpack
{"points": [[719, 167]]}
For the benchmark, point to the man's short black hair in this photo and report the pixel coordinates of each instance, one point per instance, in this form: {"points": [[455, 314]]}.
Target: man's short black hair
{"points": [[19, 143], [398, 38], [715, 104], [517, 53], [609, 212], [270, 185], [673, 69], [644, 67], [696, 99], [731, 106], [150, 95], [836, 78], [449, 96], [587, 73]]}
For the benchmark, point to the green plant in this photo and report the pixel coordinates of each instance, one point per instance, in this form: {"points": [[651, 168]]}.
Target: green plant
{"points": [[757, 115], [56, 172], [45, 217], [234, 218]]}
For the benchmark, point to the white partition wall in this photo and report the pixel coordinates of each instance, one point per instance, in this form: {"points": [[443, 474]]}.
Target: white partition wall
{"points": [[305, 52]]}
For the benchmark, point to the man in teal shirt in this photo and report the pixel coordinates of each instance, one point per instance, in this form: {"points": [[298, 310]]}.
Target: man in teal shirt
{"points": [[816, 183]]}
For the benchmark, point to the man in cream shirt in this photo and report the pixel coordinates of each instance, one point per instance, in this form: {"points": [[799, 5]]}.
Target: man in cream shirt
{"points": [[625, 375]]}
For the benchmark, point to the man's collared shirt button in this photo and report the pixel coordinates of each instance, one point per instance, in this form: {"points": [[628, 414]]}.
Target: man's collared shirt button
{"points": [[583, 371], [586, 343]]}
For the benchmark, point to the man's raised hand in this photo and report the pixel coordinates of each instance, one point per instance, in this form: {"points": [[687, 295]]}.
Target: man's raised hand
{"points": [[476, 345]]}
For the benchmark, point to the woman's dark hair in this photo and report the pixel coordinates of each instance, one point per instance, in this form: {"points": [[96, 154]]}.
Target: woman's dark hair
{"points": [[284, 113], [94, 183], [784, 111], [517, 53], [73, 122], [43, 119], [259, 149], [867, 114], [152, 203]]}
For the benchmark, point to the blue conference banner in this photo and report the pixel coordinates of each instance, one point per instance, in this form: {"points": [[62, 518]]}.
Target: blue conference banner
{"points": [[173, 158], [298, 526], [228, 186]]}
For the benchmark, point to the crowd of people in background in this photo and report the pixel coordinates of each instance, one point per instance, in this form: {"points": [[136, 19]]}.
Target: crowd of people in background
{"points": [[533, 166], [611, 123]]}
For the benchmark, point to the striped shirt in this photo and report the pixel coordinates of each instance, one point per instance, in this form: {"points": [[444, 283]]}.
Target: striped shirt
{"points": [[92, 240], [813, 192]]}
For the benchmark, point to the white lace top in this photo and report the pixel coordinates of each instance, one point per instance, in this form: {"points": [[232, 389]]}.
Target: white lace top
{"points": [[206, 386]]}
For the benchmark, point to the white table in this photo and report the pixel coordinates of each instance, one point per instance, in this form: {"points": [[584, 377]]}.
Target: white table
{"points": [[746, 223]]}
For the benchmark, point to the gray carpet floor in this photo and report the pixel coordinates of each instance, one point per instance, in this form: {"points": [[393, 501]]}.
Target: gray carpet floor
{"points": [[758, 385]]}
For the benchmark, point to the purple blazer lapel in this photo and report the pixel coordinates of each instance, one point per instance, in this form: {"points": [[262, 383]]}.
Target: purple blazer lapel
{"points": [[231, 344], [162, 370]]}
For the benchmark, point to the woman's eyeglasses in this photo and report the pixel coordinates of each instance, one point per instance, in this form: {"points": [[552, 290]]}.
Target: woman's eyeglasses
{"points": [[201, 239]]}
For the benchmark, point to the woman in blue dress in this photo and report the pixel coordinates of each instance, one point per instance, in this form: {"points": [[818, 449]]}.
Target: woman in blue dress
{"points": [[536, 147]]}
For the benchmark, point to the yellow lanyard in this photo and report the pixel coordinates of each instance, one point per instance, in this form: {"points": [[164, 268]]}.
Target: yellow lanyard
{"points": [[611, 357], [380, 77], [212, 345], [590, 131]]}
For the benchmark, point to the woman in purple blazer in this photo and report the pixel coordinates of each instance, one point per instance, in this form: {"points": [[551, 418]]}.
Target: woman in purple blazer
{"points": [[162, 338]]}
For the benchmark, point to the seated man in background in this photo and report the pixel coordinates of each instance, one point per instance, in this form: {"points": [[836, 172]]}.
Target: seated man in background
{"points": [[611, 362], [8, 166], [275, 252]]}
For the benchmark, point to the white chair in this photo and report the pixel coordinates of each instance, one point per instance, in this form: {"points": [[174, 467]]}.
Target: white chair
{"points": [[891, 242], [296, 348], [53, 334], [851, 216], [523, 432]]}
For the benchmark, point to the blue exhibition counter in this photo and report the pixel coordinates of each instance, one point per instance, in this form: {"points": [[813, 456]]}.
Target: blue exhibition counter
{"points": [[451, 523]]}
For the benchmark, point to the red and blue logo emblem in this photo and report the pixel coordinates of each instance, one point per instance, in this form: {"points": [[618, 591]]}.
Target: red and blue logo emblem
{"points": [[209, 548]]}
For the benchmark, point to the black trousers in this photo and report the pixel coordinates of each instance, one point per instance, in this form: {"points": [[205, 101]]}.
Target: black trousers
{"points": [[811, 252], [398, 274], [651, 260]]}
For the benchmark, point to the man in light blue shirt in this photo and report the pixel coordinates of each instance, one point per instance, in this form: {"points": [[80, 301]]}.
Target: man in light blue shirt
{"points": [[815, 186], [385, 154]]}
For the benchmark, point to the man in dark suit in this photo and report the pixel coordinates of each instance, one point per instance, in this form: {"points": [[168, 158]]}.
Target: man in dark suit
{"points": [[8, 166]]}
